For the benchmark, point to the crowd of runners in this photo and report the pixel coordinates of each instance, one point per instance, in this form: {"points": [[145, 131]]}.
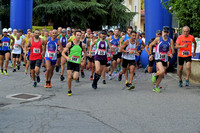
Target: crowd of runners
{"points": [[100, 52]]}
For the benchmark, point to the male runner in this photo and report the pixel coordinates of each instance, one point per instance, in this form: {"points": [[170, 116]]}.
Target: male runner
{"points": [[75, 49], [51, 49], [5, 43], [129, 50], [114, 40], [151, 62], [16, 51], [163, 45], [36, 53], [100, 56], [184, 44]]}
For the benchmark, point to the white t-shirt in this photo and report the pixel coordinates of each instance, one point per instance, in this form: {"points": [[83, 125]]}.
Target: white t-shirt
{"points": [[17, 49]]}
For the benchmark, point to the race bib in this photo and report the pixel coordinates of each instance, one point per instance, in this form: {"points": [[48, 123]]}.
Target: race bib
{"points": [[93, 52], [36, 50], [101, 52], [162, 55], [75, 58], [186, 53], [154, 49], [16, 46], [115, 48], [108, 55], [131, 49], [51, 55], [5, 44]]}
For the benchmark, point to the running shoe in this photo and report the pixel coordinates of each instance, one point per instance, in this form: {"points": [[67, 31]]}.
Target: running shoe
{"points": [[46, 85], [11, 65], [131, 87], [62, 78], [186, 82], [5, 72], [49, 85], [44, 70], [25, 72], [180, 83], [119, 68], [57, 68], [34, 84], [91, 77], [77, 81], [146, 69], [153, 78], [110, 77], [18, 67], [2, 72], [82, 74], [69, 93], [120, 77], [115, 71], [94, 86], [156, 89], [14, 70], [38, 79], [104, 81], [126, 82]]}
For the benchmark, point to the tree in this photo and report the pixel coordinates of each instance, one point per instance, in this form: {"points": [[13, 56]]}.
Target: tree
{"points": [[81, 13], [187, 12], [5, 13]]}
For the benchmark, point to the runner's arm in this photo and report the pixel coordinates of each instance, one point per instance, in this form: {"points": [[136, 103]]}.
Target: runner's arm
{"points": [[121, 41], [66, 49], [88, 44], [172, 46], [13, 40], [61, 47], [44, 43], [85, 53], [152, 44], [123, 46], [91, 46], [195, 46], [109, 45]]}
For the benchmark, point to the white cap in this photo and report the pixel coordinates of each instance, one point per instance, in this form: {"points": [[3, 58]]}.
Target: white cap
{"points": [[9, 29], [5, 30], [69, 29]]}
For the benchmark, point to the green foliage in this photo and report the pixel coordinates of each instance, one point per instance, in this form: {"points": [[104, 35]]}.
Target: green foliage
{"points": [[5, 13], [187, 12], [81, 13], [142, 4]]}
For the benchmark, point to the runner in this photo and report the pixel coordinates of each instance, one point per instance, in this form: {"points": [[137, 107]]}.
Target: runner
{"points": [[16, 51], [129, 50], [91, 59], [149, 67], [5, 43], [84, 40], [161, 56], [114, 40], [36, 53], [52, 47], [184, 44], [27, 51], [139, 50], [74, 49], [63, 41], [123, 39], [100, 56]]}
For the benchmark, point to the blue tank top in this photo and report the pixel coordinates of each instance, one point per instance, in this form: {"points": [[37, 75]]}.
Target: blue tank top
{"points": [[162, 50], [114, 41], [126, 37], [139, 46], [63, 41], [5, 41], [51, 49]]}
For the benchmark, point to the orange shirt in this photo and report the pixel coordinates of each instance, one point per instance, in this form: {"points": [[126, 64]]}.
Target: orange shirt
{"points": [[181, 40]]}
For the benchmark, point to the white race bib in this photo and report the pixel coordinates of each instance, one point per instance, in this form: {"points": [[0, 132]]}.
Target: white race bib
{"points": [[101, 52], [5, 44], [186, 52], [16, 46], [36, 50], [93, 52], [51, 55], [162, 55], [75, 58]]}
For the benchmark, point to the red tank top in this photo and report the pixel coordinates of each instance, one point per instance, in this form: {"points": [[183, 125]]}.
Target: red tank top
{"points": [[36, 50]]}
